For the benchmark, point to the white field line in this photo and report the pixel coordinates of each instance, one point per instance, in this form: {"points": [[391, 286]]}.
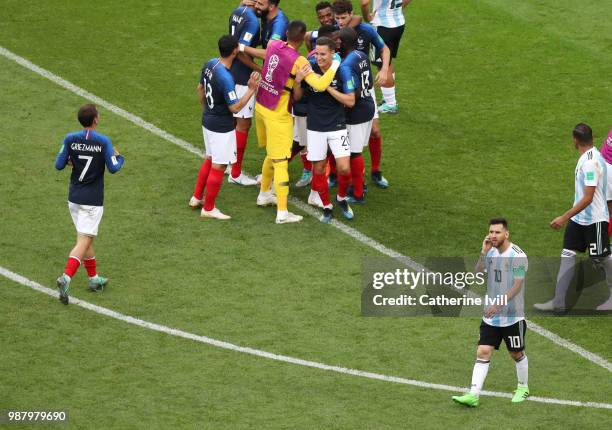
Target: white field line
{"points": [[360, 237], [277, 357]]}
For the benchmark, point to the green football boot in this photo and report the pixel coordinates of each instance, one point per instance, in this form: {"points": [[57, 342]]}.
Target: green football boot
{"points": [[467, 399], [97, 283], [520, 394]]}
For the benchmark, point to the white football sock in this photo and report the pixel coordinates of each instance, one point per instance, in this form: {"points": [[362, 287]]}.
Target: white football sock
{"points": [[522, 371], [481, 368], [564, 278], [389, 95]]}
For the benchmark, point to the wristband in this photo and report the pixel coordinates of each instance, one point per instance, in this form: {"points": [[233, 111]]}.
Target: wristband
{"points": [[241, 47]]}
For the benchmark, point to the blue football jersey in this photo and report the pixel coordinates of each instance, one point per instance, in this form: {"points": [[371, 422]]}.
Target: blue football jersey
{"points": [[275, 29], [325, 113], [356, 76], [244, 26], [90, 152], [368, 40], [220, 92]]}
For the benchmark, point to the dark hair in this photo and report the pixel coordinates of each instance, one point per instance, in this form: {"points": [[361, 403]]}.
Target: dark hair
{"points": [[583, 134], [502, 221], [296, 31], [87, 114], [342, 6], [327, 30], [326, 41], [227, 44], [322, 5], [274, 2], [348, 38]]}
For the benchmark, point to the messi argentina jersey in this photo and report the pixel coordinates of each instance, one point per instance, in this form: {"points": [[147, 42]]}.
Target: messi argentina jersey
{"points": [[502, 270], [389, 13], [591, 171]]}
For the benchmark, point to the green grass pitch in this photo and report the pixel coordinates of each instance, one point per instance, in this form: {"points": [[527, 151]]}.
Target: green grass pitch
{"points": [[489, 92]]}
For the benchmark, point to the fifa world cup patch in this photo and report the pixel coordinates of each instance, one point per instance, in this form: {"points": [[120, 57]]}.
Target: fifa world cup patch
{"points": [[590, 176], [247, 37], [232, 95]]}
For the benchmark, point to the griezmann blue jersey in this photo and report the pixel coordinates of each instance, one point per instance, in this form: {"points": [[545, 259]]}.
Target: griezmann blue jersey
{"points": [[220, 92], [356, 75], [324, 113], [90, 152], [368, 40], [244, 26], [275, 29]]}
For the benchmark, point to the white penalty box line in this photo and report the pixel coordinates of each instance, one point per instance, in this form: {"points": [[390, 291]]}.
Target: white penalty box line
{"points": [[279, 357], [355, 234]]}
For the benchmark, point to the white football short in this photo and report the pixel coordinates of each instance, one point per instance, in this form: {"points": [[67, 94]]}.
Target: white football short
{"points": [[609, 175], [300, 133], [220, 147], [319, 141], [359, 135], [86, 218], [249, 109]]}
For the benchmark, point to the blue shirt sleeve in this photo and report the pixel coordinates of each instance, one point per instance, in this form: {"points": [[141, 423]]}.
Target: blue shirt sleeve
{"points": [[250, 32], [228, 88], [113, 164], [345, 75], [376, 39], [279, 29], [62, 156]]}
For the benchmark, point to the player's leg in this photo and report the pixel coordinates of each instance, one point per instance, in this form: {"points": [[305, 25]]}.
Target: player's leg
{"points": [[317, 154], [358, 139], [599, 252], [375, 145], [243, 125], [223, 152], [198, 191], [490, 338], [301, 136], [96, 282], [265, 196], [574, 240], [341, 149], [514, 337], [392, 37]]}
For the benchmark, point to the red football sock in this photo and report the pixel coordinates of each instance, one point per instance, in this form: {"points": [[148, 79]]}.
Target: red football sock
{"points": [[90, 266], [213, 185], [241, 143], [357, 167], [344, 179], [72, 265], [375, 152], [610, 227], [198, 191], [331, 161], [307, 164], [319, 184]]}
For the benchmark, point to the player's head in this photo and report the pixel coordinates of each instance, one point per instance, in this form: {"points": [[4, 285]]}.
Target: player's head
{"points": [[296, 31], [498, 232], [348, 40], [264, 7], [228, 46], [88, 115], [325, 15], [330, 31], [343, 12], [583, 135], [324, 52]]}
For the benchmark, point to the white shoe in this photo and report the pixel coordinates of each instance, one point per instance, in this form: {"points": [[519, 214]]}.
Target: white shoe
{"points": [[289, 217], [266, 199], [215, 213], [241, 180], [314, 199], [606, 306], [195, 203], [548, 306]]}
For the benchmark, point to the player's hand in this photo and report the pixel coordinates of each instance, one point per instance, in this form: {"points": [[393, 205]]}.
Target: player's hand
{"points": [[254, 81], [486, 244], [558, 222], [115, 152], [69, 162], [302, 72], [492, 310], [382, 78]]}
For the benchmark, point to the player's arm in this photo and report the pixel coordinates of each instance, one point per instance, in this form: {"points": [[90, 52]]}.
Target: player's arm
{"points": [[307, 41], [235, 105], [253, 52], [248, 61], [300, 74], [319, 83], [201, 95], [246, 39], [587, 199], [347, 96], [62, 157], [383, 77], [114, 161], [365, 10]]}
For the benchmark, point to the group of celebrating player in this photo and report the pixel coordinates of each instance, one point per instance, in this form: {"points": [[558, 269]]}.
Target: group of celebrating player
{"points": [[321, 107]]}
